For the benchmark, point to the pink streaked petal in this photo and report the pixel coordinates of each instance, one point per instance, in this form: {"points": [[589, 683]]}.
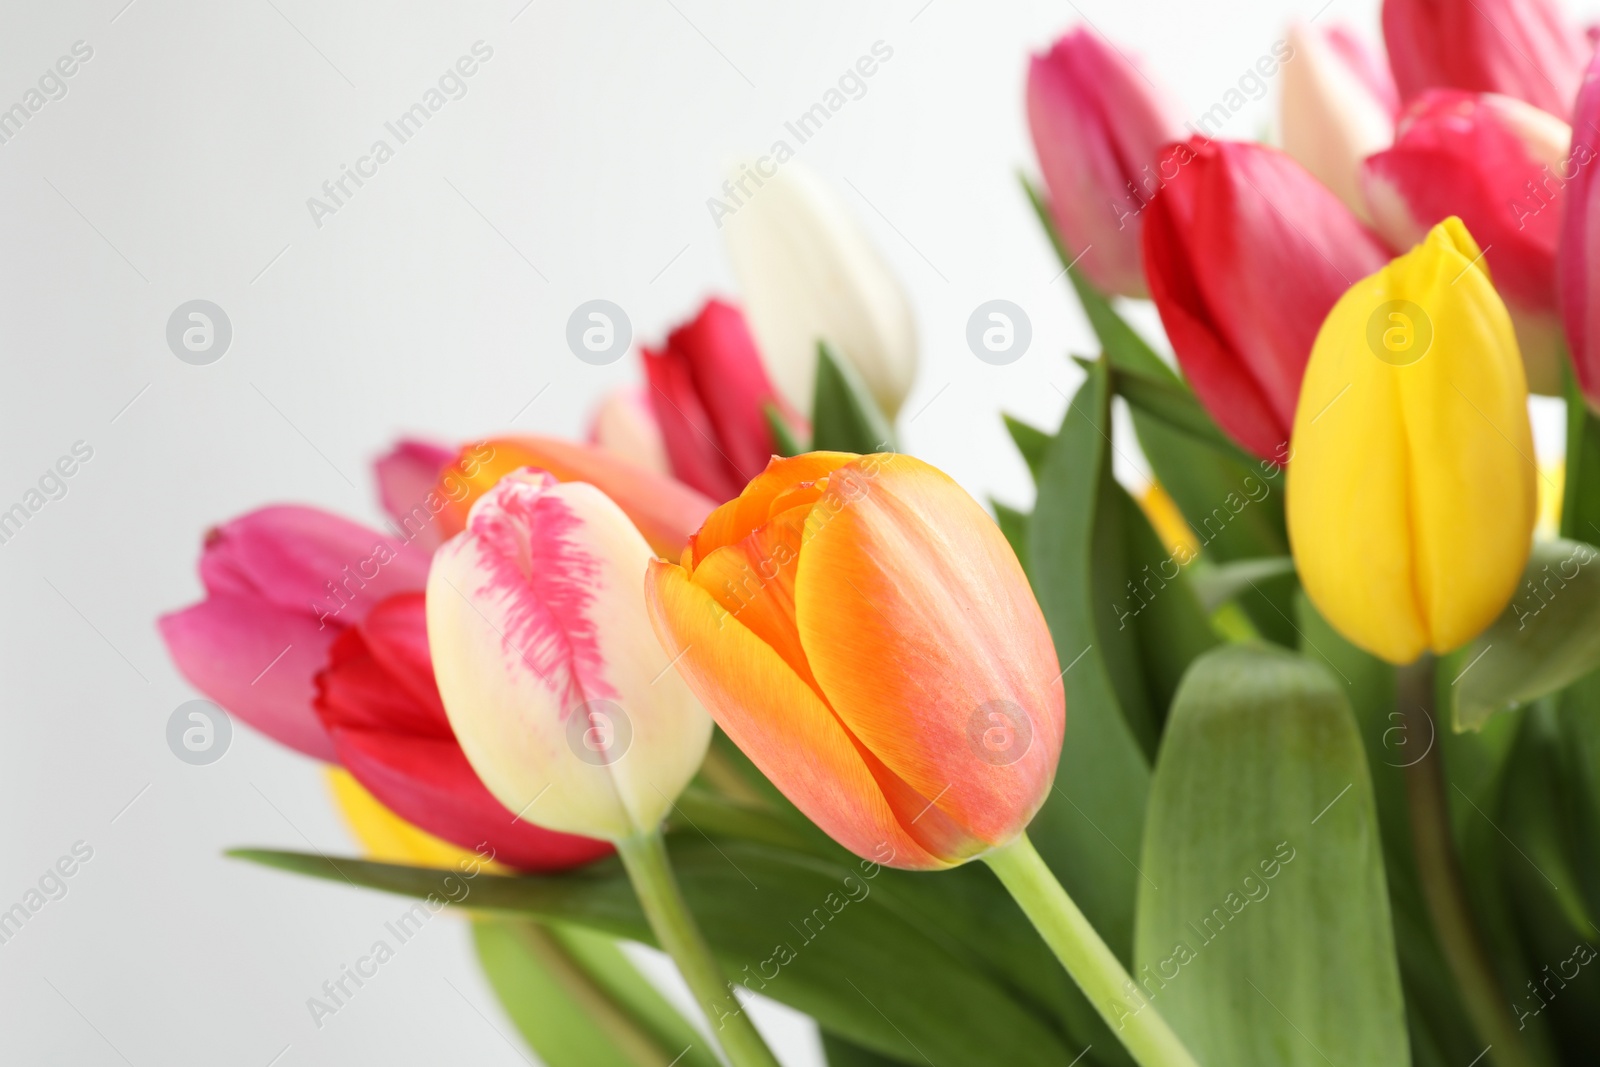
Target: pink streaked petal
{"points": [[257, 661]]}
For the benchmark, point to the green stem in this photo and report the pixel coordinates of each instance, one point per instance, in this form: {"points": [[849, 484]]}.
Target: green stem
{"points": [[645, 858], [1091, 964], [1439, 872]]}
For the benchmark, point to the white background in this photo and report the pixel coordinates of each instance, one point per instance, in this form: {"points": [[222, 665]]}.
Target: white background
{"points": [[178, 166]]}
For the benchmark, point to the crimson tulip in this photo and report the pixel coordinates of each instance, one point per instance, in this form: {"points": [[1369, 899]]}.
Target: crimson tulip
{"points": [[1578, 251], [1245, 253], [1523, 48], [709, 391], [379, 702], [1098, 125], [1500, 165]]}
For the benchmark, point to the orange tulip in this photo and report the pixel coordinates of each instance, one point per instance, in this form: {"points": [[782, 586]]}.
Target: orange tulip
{"points": [[861, 629], [665, 510]]}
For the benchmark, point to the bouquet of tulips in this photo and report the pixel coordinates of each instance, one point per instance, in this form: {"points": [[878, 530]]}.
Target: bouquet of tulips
{"points": [[1292, 757]]}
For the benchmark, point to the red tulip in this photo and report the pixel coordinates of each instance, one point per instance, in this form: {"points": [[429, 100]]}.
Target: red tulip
{"points": [[379, 702], [1497, 164], [710, 390], [282, 584], [1522, 48], [1578, 252], [1098, 125], [1246, 253]]}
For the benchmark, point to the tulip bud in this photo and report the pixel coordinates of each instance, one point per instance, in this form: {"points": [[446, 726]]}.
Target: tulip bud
{"points": [[1522, 48], [1098, 124], [1338, 107], [624, 424], [1578, 251], [710, 393], [1497, 164], [807, 274], [1411, 486], [406, 474], [553, 682], [861, 629], [1246, 252]]}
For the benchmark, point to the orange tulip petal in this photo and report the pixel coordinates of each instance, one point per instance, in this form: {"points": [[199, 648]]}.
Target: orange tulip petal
{"points": [[665, 510], [917, 621], [739, 517], [778, 721]]}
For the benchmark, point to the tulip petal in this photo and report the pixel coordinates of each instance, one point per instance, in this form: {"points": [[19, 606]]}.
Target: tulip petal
{"points": [[309, 562], [257, 661], [778, 721], [406, 475], [665, 510], [534, 618], [686, 428], [883, 604], [625, 425], [739, 517]]}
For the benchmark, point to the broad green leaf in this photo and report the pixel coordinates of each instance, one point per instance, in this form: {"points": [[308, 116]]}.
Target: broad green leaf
{"points": [[842, 1053], [783, 435], [1222, 582], [577, 1000], [1547, 637], [1089, 829], [1438, 1020], [1579, 720], [1030, 441], [844, 417], [1263, 933], [790, 926]]}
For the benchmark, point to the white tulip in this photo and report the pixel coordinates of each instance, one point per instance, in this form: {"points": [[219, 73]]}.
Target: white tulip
{"points": [[1330, 116], [806, 273]]}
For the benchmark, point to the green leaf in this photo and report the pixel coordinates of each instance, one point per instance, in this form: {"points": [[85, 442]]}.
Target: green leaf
{"points": [[1031, 441], [1263, 933], [788, 926], [1547, 637], [783, 435], [577, 1000], [844, 417], [841, 1053], [1221, 583], [1090, 827], [1580, 501]]}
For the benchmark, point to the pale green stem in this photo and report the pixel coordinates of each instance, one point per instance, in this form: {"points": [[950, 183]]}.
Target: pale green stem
{"points": [[1091, 964], [645, 858]]}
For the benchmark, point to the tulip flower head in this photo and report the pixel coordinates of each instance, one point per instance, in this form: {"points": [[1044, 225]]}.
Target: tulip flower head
{"points": [[544, 656], [1246, 252], [1338, 107], [861, 629], [1411, 497], [1098, 125], [1578, 250], [807, 273], [624, 424], [1501, 166], [1522, 48]]}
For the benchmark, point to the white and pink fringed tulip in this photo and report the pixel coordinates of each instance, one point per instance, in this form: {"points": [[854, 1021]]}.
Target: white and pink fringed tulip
{"points": [[550, 672]]}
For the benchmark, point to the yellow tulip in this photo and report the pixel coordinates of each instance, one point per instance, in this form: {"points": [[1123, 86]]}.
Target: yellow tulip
{"points": [[1411, 478]]}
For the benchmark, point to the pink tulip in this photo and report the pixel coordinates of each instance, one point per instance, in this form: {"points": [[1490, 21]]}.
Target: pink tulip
{"points": [[1500, 165], [710, 392], [1098, 124], [1522, 48], [282, 584], [625, 425], [1246, 253], [1338, 107], [1578, 252], [406, 474]]}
